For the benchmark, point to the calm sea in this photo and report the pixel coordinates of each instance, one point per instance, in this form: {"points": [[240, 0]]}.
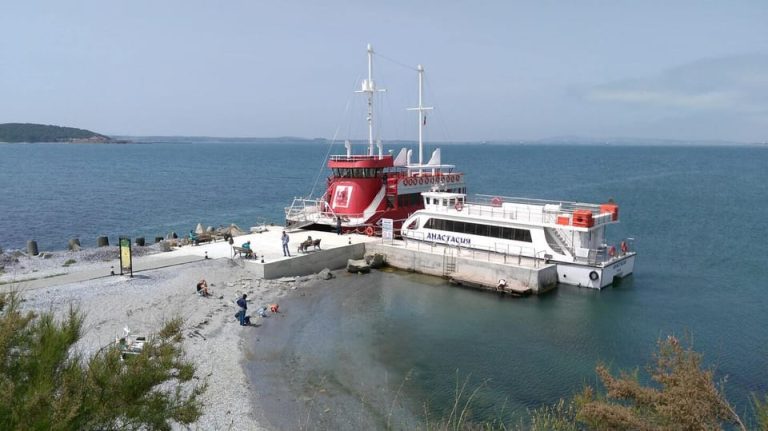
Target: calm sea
{"points": [[698, 216]]}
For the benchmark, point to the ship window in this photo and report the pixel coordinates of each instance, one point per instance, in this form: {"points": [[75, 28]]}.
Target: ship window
{"points": [[508, 233], [440, 224], [446, 225], [523, 235], [494, 231], [409, 199]]}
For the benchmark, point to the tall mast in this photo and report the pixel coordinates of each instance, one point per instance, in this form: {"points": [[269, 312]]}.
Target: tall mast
{"points": [[421, 108], [369, 87]]}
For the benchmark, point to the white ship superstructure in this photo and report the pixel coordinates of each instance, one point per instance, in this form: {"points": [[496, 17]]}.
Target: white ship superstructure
{"points": [[570, 234]]}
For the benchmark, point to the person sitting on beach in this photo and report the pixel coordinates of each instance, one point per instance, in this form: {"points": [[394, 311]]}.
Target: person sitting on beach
{"points": [[247, 245], [202, 288], [274, 307]]}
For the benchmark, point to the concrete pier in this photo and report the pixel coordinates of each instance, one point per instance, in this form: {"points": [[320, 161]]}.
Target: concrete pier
{"points": [[473, 268], [461, 266], [468, 267]]}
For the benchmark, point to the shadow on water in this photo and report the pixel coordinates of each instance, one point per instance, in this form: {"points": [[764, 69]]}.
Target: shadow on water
{"points": [[359, 351]]}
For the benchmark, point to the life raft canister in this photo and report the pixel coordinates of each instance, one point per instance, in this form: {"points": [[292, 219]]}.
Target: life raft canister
{"points": [[624, 247], [593, 276], [369, 231], [459, 206]]}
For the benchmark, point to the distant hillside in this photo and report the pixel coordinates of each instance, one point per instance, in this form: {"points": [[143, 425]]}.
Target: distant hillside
{"points": [[26, 132]]}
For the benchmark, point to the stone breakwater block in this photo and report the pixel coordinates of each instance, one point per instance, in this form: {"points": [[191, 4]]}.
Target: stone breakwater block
{"points": [[32, 248], [74, 244], [325, 274], [140, 241], [359, 266], [102, 241], [375, 260]]}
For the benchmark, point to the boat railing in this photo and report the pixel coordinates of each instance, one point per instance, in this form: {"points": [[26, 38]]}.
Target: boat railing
{"points": [[304, 210], [524, 214], [606, 253], [566, 206], [357, 158]]}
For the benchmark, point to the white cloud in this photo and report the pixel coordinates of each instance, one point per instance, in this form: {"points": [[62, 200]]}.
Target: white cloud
{"points": [[730, 84], [709, 100]]}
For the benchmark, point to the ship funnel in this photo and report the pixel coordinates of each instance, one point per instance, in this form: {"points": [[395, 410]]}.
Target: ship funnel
{"points": [[401, 159], [435, 160], [348, 146]]}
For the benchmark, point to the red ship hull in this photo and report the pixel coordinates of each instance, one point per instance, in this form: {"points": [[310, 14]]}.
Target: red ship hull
{"points": [[362, 190]]}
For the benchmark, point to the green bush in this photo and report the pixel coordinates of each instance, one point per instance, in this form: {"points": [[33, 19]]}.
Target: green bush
{"points": [[45, 385]]}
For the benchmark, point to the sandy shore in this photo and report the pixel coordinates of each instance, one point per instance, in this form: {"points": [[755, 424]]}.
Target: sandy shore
{"points": [[213, 338]]}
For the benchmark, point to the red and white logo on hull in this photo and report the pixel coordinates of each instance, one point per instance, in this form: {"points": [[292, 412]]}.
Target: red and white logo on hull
{"points": [[342, 196]]}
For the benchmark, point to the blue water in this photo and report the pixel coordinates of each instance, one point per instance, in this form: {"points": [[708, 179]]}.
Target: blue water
{"points": [[697, 213]]}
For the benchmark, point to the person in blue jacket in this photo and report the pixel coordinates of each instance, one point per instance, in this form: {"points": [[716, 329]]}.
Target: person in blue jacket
{"points": [[243, 304]]}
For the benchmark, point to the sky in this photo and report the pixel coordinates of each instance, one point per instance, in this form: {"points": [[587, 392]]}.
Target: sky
{"points": [[494, 70]]}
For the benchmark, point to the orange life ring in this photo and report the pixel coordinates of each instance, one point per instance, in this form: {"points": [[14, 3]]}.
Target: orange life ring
{"points": [[612, 251], [369, 231], [459, 206], [624, 247]]}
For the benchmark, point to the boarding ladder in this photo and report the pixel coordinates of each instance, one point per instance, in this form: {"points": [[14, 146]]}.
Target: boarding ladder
{"points": [[449, 262], [557, 242], [564, 240]]}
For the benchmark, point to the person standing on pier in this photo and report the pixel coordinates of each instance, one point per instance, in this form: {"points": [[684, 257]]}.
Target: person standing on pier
{"points": [[286, 251], [338, 225]]}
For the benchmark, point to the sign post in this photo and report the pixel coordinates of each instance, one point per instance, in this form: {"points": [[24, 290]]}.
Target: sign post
{"points": [[126, 263], [387, 230]]}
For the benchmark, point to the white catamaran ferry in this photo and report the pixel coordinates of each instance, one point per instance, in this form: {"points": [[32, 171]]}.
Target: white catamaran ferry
{"points": [[569, 234]]}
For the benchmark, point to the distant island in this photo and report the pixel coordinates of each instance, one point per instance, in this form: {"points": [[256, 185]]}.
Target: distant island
{"points": [[27, 132]]}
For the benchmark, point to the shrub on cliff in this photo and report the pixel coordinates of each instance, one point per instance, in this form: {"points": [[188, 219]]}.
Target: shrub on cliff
{"points": [[44, 384], [685, 396]]}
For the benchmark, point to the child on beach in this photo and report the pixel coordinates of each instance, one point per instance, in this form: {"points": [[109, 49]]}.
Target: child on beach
{"points": [[243, 304], [202, 288]]}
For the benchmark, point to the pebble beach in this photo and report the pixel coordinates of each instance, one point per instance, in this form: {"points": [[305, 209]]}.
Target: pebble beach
{"points": [[213, 339]]}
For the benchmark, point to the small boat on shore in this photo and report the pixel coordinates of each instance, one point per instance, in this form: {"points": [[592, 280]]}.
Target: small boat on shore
{"points": [[365, 188], [570, 234]]}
